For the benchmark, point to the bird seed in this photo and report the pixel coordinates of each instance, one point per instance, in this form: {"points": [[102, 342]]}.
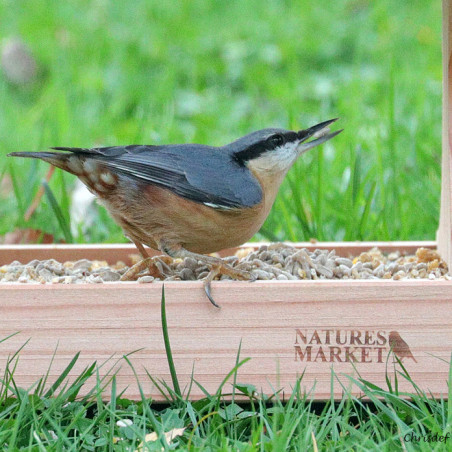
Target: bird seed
{"points": [[276, 261]]}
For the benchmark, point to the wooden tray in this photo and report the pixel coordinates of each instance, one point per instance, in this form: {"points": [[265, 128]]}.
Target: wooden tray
{"points": [[287, 328]]}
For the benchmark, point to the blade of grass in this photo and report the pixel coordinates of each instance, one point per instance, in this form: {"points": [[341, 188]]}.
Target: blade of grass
{"points": [[65, 199], [298, 205], [17, 424], [158, 386], [147, 409], [37, 199], [268, 234], [112, 411], [43, 381], [66, 230], [169, 355], [318, 208], [17, 190], [9, 373], [366, 211], [237, 360], [63, 375]]}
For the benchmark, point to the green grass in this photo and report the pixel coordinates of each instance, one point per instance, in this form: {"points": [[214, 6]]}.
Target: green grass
{"points": [[53, 416], [30, 420], [210, 71]]}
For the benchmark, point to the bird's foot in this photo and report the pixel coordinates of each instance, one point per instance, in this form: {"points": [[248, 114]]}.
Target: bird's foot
{"points": [[217, 266], [150, 264], [221, 268]]}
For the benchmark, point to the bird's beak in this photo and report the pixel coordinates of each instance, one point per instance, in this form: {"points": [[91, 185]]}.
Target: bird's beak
{"points": [[320, 134]]}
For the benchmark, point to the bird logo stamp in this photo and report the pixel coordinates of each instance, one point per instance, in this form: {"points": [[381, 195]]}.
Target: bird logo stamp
{"points": [[354, 346]]}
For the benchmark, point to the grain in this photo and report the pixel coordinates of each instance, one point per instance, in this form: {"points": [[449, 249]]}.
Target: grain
{"points": [[277, 261]]}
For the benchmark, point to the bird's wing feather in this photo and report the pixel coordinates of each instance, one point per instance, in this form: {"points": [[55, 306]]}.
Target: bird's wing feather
{"points": [[200, 173]]}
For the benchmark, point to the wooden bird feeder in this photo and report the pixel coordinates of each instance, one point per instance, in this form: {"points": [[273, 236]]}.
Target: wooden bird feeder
{"points": [[287, 328]]}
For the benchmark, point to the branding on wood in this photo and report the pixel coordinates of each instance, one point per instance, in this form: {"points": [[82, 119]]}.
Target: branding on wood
{"points": [[355, 346]]}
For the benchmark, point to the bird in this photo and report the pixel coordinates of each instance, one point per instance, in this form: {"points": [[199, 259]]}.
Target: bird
{"points": [[189, 200], [399, 346]]}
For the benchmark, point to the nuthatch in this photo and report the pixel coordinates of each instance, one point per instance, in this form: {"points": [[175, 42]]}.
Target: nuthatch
{"points": [[190, 199]]}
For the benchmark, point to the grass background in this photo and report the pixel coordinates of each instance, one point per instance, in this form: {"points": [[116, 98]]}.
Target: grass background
{"points": [[209, 71], [113, 73]]}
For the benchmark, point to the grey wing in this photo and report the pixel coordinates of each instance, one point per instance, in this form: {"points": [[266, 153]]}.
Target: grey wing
{"points": [[203, 174]]}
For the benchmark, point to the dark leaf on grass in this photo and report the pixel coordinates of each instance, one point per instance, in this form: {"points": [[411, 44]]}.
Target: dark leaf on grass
{"points": [[88, 438], [230, 411], [101, 442], [128, 432], [247, 389], [199, 405], [245, 414], [171, 419], [124, 403], [8, 402]]}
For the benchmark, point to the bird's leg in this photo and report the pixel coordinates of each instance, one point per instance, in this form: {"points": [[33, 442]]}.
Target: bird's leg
{"points": [[217, 266], [141, 249], [146, 263]]}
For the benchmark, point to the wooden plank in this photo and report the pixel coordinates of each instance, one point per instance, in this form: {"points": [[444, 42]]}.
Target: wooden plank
{"points": [[114, 252], [276, 322], [287, 328], [444, 235]]}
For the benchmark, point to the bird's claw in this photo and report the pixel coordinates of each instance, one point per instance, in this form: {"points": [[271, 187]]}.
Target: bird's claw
{"points": [[225, 269], [148, 263], [207, 290]]}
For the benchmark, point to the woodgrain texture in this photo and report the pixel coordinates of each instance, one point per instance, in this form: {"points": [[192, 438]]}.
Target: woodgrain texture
{"points": [[444, 235], [276, 322], [286, 328]]}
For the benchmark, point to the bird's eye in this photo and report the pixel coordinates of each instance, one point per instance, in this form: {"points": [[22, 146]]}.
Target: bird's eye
{"points": [[276, 140]]}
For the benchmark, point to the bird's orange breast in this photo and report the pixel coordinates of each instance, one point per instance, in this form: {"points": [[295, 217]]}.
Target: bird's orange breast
{"points": [[149, 214]]}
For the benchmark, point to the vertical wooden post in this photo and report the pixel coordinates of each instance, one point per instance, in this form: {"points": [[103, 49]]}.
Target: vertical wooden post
{"points": [[444, 235]]}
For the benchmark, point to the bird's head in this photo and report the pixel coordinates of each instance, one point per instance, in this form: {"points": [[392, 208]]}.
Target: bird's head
{"points": [[274, 151]]}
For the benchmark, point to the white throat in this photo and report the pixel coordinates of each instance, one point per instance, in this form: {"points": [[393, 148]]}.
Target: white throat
{"points": [[279, 160]]}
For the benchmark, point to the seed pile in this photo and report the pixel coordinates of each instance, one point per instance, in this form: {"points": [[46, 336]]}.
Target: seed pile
{"points": [[52, 271], [276, 261]]}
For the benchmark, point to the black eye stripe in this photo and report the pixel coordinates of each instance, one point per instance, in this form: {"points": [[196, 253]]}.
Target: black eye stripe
{"points": [[250, 153], [276, 140], [291, 136], [266, 145]]}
